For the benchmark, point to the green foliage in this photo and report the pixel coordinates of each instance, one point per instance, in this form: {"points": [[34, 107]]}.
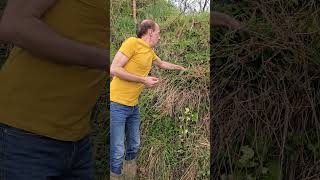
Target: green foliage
{"points": [[4, 49], [4, 53], [99, 123], [159, 11], [249, 166], [186, 125], [246, 160]]}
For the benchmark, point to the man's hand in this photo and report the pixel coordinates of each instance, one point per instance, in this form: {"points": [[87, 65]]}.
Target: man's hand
{"points": [[150, 81], [180, 68]]}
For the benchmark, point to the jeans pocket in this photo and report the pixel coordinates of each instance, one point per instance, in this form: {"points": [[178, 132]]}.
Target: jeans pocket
{"points": [[115, 106], [19, 132]]}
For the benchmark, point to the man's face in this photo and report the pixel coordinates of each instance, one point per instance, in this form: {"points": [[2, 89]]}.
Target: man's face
{"points": [[155, 36]]}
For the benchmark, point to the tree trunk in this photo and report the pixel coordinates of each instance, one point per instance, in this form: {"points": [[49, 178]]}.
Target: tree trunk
{"points": [[134, 11], [205, 5]]}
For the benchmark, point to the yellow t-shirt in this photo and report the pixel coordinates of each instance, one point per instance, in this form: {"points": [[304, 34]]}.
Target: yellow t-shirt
{"points": [[50, 99], [141, 56]]}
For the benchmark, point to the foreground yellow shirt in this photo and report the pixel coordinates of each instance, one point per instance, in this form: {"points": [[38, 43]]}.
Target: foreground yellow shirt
{"points": [[141, 56], [56, 100]]}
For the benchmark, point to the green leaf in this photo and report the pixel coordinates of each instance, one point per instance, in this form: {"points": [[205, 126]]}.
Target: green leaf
{"points": [[274, 172]]}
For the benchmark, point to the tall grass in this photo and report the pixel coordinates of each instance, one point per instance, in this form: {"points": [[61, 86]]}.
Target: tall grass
{"points": [[175, 114], [265, 93]]}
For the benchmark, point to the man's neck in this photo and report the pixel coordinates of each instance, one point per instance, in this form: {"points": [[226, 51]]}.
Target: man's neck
{"points": [[146, 39]]}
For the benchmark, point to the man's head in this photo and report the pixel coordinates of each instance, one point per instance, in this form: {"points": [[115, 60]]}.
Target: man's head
{"points": [[149, 31]]}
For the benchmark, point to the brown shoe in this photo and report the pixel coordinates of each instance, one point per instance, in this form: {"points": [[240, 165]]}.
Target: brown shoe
{"points": [[114, 176], [130, 169]]}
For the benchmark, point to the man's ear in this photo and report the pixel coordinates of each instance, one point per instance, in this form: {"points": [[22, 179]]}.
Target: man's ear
{"points": [[150, 31]]}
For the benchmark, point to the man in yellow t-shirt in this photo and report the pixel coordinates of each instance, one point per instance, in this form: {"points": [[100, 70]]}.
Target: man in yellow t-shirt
{"points": [[49, 84], [130, 68]]}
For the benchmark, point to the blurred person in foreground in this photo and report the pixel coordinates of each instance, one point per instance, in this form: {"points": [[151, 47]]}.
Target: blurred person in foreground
{"points": [[49, 86]]}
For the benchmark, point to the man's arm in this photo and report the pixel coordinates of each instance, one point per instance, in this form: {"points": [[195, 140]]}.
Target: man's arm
{"points": [[166, 65], [221, 19], [22, 26], [117, 69]]}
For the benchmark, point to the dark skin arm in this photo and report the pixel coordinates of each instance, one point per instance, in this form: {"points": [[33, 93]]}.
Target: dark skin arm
{"points": [[22, 26], [221, 19]]}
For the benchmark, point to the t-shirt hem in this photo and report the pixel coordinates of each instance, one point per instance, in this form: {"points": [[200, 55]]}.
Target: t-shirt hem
{"points": [[126, 103], [45, 134]]}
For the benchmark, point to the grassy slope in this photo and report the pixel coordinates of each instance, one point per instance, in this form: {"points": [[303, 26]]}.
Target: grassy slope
{"points": [[180, 103]]}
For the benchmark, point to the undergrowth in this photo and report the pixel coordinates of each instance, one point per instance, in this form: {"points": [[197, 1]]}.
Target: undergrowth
{"points": [[265, 92]]}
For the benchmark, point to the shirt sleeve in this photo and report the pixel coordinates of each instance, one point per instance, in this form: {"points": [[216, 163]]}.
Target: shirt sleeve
{"points": [[128, 47], [154, 56]]}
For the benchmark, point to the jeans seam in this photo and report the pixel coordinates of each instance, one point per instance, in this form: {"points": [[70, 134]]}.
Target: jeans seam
{"points": [[2, 154]]}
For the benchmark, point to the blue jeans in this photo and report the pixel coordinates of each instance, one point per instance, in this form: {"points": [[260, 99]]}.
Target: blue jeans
{"points": [[124, 134], [27, 156]]}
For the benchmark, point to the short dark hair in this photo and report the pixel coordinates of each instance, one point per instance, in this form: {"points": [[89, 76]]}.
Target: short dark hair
{"points": [[144, 26]]}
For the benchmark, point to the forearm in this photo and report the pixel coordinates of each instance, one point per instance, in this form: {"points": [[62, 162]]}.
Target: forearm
{"points": [[39, 39], [169, 66], [125, 75]]}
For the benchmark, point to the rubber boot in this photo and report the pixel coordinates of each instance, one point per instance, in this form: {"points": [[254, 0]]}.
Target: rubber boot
{"points": [[114, 176], [130, 169]]}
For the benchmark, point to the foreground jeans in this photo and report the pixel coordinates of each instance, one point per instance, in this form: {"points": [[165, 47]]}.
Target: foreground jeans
{"points": [[27, 156], [124, 134]]}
